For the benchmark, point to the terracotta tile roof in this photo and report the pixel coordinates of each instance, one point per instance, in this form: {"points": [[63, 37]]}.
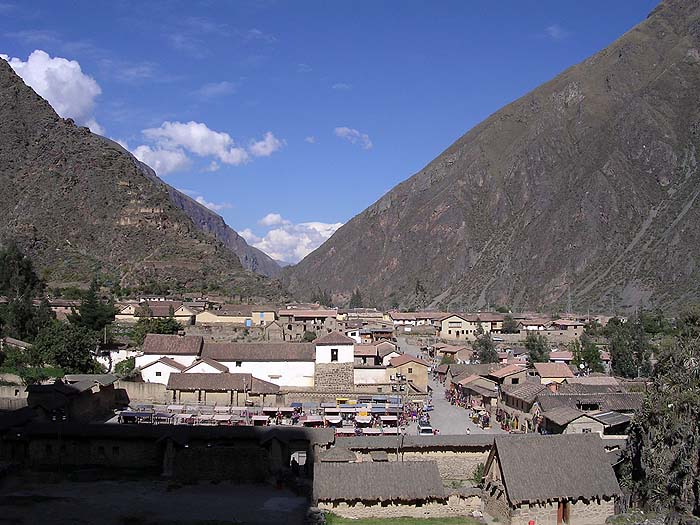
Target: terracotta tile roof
{"points": [[206, 360], [166, 361], [527, 391], [307, 313], [563, 355], [221, 382], [405, 358], [553, 370], [506, 371], [259, 351], [172, 344], [365, 350], [334, 338]]}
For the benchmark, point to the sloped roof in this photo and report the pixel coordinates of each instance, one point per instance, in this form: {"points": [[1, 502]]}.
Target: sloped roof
{"points": [[259, 351], [206, 360], [172, 344], [220, 382], [540, 468], [562, 416], [506, 371], [166, 361], [526, 391], [378, 481], [334, 338], [365, 350], [293, 312], [618, 401], [100, 379], [337, 455], [404, 359], [553, 370]]}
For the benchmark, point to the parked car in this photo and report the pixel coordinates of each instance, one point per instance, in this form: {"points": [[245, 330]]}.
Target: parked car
{"points": [[425, 430]]}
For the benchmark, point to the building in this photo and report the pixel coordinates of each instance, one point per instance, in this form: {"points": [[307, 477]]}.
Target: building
{"points": [[412, 369], [296, 322], [221, 388], [574, 481], [132, 312], [387, 489], [510, 375], [553, 372]]}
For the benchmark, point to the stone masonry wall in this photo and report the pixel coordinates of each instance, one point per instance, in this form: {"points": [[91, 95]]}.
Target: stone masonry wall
{"points": [[580, 513], [454, 506], [334, 377], [453, 465]]}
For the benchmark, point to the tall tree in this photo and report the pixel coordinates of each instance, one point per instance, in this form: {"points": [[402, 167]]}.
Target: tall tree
{"points": [[356, 299], [68, 347], [92, 313], [484, 346], [630, 348], [586, 355], [537, 347], [510, 325], [661, 465]]}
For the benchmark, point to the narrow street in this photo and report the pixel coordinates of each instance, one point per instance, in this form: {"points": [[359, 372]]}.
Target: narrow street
{"points": [[447, 418]]}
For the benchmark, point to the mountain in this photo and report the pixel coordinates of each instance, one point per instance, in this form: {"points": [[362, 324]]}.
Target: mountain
{"points": [[210, 222], [582, 191], [79, 203]]}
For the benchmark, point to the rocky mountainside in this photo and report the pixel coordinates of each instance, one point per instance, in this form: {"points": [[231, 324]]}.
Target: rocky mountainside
{"points": [[586, 188], [80, 203], [210, 222]]}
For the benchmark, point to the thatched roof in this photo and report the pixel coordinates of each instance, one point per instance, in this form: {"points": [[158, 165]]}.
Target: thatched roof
{"points": [[337, 455], [407, 442], [618, 401], [539, 468], [380, 481]]}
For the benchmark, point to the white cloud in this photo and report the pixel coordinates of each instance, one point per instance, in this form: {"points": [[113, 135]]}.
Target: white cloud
{"points": [[62, 83], [265, 147], [354, 137], [212, 205], [256, 34], [304, 68], [213, 166], [272, 219], [310, 139], [249, 236], [556, 32], [163, 161], [216, 89], [341, 86], [292, 242], [197, 138]]}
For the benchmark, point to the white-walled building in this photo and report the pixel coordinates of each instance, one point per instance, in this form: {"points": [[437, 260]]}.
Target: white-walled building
{"points": [[159, 371], [335, 348]]}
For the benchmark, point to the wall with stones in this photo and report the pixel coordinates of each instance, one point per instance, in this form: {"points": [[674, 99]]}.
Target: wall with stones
{"points": [[240, 463], [334, 377], [226, 332], [581, 513], [144, 392], [453, 506], [452, 464]]}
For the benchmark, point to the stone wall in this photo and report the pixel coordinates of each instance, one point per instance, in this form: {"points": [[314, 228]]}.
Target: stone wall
{"points": [[144, 392], [581, 513], [227, 332], [334, 377], [453, 465], [454, 506], [238, 463]]}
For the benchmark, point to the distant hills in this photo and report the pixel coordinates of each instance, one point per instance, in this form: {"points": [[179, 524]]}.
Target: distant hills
{"points": [[585, 190], [79, 203]]}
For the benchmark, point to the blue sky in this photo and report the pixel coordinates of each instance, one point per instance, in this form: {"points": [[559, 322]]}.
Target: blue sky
{"points": [[289, 118]]}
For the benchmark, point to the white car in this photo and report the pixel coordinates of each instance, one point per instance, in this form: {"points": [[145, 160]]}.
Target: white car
{"points": [[425, 430]]}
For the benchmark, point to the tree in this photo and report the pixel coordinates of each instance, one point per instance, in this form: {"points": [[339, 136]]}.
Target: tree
{"points": [[447, 359], [661, 464], [484, 346], [510, 325], [356, 299], [126, 367], [309, 336], [537, 347], [630, 349], [478, 475], [322, 297], [68, 347], [92, 313], [586, 355], [153, 325]]}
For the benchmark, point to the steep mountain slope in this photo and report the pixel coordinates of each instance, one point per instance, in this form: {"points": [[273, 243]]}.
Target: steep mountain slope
{"points": [[585, 188], [210, 222], [77, 203]]}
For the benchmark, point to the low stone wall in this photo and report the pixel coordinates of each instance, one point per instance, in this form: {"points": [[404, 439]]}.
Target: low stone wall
{"points": [[453, 465], [144, 392], [227, 332], [13, 391], [580, 513], [454, 506], [12, 403]]}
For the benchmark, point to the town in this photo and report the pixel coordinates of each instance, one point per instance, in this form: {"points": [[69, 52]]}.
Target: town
{"points": [[435, 414]]}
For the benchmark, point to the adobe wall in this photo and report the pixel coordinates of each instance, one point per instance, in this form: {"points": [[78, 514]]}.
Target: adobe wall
{"points": [[452, 464], [453, 506], [122, 453], [236, 463], [144, 392], [581, 513], [334, 377], [227, 332]]}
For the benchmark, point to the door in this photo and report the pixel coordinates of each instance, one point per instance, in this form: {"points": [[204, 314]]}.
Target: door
{"points": [[563, 512]]}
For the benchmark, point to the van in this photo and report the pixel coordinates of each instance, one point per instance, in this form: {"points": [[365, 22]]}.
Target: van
{"points": [[425, 430]]}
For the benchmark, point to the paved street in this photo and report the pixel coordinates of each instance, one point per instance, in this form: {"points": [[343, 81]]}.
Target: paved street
{"points": [[448, 418]]}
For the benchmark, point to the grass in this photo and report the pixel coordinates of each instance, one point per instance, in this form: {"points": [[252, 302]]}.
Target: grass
{"points": [[333, 519]]}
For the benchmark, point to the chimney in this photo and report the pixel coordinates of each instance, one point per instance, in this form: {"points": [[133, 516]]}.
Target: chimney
{"points": [[553, 387]]}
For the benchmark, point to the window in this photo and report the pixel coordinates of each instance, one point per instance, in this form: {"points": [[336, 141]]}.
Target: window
{"points": [[449, 332], [334, 354], [238, 364], [585, 431], [515, 381], [410, 370], [158, 374]]}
